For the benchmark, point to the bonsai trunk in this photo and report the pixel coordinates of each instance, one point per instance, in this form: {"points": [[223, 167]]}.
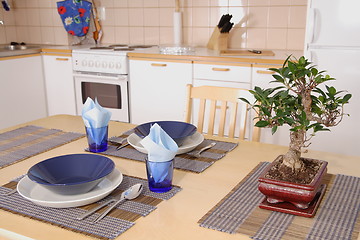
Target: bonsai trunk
{"points": [[292, 158]]}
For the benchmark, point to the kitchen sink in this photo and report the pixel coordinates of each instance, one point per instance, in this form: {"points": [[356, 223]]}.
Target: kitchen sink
{"points": [[13, 50]]}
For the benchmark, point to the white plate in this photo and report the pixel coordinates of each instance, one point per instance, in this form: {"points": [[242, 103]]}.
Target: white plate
{"points": [[189, 144], [44, 197]]}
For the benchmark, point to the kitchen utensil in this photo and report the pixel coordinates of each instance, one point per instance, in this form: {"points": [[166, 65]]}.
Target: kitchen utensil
{"points": [[178, 131], [188, 145], [118, 143], [87, 170], [204, 149], [255, 51], [41, 196], [122, 146], [131, 193], [97, 34]]}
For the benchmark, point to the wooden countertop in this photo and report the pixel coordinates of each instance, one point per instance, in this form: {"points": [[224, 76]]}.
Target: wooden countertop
{"points": [[176, 218]]}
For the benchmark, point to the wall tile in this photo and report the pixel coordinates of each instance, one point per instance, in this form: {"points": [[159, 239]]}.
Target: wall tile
{"points": [[35, 34], [136, 17], [276, 38], [136, 35], [261, 24], [295, 39], [2, 35], [47, 35], [46, 17], [151, 3], [256, 38], [278, 17], [151, 17], [108, 34], [166, 17], [152, 35], [297, 16], [166, 34], [201, 17], [122, 35], [258, 17], [136, 3], [121, 16]]}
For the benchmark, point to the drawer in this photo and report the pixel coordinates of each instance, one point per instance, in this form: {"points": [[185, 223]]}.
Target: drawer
{"points": [[239, 73]]}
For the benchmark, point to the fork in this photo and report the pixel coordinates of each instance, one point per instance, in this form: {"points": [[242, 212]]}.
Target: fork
{"points": [[204, 149], [120, 143]]}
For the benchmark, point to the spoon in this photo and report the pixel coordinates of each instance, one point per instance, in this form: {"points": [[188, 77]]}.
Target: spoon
{"points": [[131, 193], [203, 149]]}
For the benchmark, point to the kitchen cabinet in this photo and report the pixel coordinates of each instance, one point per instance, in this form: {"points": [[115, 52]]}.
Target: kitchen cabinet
{"points": [[59, 81], [22, 91], [158, 89]]}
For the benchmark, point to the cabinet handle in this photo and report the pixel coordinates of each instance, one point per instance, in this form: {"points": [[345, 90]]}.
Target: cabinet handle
{"points": [[221, 69], [62, 59], [265, 72], [158, 65]]}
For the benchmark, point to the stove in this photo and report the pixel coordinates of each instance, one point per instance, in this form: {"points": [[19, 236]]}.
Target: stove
{"points": [[101, 72], [110, 59]]}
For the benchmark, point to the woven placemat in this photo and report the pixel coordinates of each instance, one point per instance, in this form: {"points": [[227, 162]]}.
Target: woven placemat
{"points": [[186, 161], [25, 142], [337, 217], [119, 220]]}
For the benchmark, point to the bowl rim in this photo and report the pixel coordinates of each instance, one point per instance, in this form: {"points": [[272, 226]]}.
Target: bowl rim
{"points": [[137, 132], [42, 181]]}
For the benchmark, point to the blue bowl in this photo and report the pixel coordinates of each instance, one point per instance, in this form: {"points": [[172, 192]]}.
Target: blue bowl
{"points": [[71, 174], [178, 131]]}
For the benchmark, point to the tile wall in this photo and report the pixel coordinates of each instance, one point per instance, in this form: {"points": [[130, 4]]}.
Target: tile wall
{"points": [[259, 24]]}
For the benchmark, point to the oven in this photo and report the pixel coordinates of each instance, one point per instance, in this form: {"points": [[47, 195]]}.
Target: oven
{"points": [[102, 74]]}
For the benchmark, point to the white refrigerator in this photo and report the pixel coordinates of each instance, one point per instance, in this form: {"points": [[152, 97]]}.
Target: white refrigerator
{"points": [[332, 42]]}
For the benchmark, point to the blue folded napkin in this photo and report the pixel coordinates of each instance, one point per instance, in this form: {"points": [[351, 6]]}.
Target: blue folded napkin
{"points": [[161, 148], [96, 118]]}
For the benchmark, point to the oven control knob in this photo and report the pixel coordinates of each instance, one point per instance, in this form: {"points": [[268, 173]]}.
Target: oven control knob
{"points": [[118, 65], [104, 64], [97, 64], [111, 65], [91, 63], [84, 63]]}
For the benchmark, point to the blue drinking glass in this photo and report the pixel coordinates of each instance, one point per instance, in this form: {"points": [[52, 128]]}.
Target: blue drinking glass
{"points": [[97, 139], [160, 175]]}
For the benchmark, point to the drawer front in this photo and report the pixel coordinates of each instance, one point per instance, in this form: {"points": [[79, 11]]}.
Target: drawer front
{"points": [[223, 72]]}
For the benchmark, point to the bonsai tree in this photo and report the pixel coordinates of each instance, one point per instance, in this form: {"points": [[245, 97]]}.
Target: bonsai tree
{"points": [[299, 103]]}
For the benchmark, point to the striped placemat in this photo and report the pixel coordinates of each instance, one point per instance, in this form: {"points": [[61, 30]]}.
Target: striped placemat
{"points": [[186, 161], [337, 217], [25, 142], [120, 219]]}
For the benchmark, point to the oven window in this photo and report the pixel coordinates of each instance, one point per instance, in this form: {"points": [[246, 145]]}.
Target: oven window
{"points": [[108, 95]]}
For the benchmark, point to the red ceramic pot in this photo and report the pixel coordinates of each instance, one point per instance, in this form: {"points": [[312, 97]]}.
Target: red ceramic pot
{"points": [[300, 195]]}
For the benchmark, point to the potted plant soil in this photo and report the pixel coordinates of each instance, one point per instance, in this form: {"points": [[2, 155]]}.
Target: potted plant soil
{"points": [[297, 101]]}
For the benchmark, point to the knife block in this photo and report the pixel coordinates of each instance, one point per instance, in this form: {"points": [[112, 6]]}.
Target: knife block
{"points": [[218, 40]]}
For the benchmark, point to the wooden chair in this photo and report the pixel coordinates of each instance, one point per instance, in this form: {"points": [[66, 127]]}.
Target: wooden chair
{"points": [[224, 112]]}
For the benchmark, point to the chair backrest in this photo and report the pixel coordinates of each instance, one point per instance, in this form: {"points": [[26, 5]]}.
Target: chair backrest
{"points": [[218, 111]]}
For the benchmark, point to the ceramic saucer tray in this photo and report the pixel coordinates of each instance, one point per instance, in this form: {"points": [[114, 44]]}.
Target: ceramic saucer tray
{"points": [[123, 217], [338, 216], [184, 160]]}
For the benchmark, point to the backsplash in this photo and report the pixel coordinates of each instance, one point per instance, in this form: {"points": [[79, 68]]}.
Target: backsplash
{"points": [[258, 24]]}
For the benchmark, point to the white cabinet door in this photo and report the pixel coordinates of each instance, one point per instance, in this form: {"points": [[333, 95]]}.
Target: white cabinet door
{"points": [[59, 81], [22, 91], [262, 77], [158, 90]]}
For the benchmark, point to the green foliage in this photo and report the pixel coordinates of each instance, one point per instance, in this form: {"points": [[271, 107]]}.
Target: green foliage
{"points": [[297, 100]]}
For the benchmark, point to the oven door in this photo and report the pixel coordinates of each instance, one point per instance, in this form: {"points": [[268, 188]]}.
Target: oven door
{"points": [[111, 92]]}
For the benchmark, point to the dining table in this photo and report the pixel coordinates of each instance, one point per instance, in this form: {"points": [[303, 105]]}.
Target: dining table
{"points": [[175, 218]]}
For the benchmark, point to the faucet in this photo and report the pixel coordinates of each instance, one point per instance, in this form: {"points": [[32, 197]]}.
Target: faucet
{"points": [[1, 22]]}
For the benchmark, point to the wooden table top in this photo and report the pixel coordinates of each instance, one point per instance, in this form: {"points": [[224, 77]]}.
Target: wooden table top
{"points": [[175, 218]]}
